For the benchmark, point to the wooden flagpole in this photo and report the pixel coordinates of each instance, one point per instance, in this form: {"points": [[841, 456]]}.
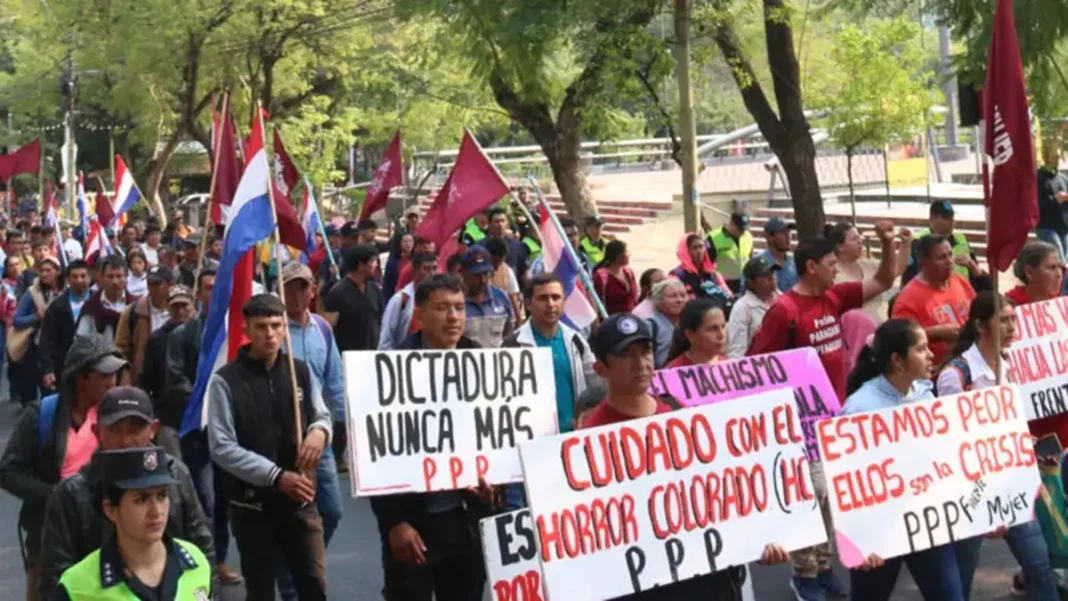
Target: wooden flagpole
{"points": [[297, 420], [211, 194]]}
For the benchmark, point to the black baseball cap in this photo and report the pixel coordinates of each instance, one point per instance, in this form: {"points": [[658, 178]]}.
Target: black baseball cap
{"points": [[619, 332], [758, 266], [122, 402], [135, 469], [476, 261], [777, 224], [349, 230], [741, 220], [192, 240], [942, 208], [158, 274], [594, 220]]}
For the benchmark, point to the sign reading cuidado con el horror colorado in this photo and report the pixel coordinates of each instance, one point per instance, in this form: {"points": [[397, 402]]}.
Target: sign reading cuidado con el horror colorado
{"points": [[669, 497], [429, 420], [919, 475], [798, 369], [1037, 362]]}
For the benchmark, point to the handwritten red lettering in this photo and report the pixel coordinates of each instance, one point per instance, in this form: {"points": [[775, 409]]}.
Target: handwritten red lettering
{"points": [[569, 471], [430, 469], [986, 407], [587, 528], [456, 469], [866, 487], [994, 454]]}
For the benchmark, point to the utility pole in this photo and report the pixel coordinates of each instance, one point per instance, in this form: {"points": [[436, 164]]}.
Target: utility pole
{"points": [[687, 126], [70, 76], [949, 88]]}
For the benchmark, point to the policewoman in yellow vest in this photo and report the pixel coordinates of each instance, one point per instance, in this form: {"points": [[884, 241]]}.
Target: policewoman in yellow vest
{"points": [[140, 562], [732, 246]]}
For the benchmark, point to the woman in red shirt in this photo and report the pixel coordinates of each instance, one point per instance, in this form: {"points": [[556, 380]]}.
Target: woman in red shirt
{"points": [[614, 281], [700, 336], [1041, 270]]}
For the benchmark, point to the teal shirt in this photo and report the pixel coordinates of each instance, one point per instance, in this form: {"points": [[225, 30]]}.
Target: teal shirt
{"points": [[565, 388]]}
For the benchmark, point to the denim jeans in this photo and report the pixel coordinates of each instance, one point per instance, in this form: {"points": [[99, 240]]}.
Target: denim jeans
{"points": [[935, 572], [1056, 239], [329, 503], [967, 552], [1028, 546], [197, 458]]}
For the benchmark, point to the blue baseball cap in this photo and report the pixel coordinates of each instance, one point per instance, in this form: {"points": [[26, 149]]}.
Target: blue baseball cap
{"points": [[476, 261]]}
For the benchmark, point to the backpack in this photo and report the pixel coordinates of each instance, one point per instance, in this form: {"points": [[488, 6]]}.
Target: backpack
{"points": [[965, 370], [46, 418], [325, 330]]}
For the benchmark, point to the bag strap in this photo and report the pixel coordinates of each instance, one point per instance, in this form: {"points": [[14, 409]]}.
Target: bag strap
{"points": [[324, 331], [46, 418], [38, 300]]}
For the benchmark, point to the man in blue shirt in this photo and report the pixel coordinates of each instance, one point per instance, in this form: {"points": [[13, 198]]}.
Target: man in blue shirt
{"points": [[313, 343], [490, 318], [777, 235], [572, 358]]}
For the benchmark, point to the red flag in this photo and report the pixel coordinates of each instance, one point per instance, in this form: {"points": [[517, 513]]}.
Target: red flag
{"points": [[473, 185], [104, 212], [228, 168], [1013, 201], [24, 160], [290, 230], [387, 176]]}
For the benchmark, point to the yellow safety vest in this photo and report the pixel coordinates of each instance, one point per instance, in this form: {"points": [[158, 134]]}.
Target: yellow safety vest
{"points": [[730, 255], [82, 580], [594, 251], [960, 247]]}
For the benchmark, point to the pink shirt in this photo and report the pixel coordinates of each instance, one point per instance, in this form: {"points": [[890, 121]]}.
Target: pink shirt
{"points": [[80, 445]]}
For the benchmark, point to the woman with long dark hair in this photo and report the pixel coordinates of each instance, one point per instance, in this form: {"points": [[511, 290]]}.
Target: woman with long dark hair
{"points": [[614, 280], [971, 367], [701, 334], [893, 370], [853, 266]]}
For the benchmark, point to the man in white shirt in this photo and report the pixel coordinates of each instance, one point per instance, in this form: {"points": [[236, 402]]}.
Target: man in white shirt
{"points": [[749, 310], [153, 242], [71, 247]]}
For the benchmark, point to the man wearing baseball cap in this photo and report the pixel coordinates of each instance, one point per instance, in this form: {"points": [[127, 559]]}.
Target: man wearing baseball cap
{"points": [[180, 309], [778, 237], [623, 347], [731, 245], [490, 317], [140, 319], [592, 245], [749, 309], [74, 527], [942, 219]]}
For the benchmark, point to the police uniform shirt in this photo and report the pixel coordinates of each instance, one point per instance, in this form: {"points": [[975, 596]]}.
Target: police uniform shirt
{"points": [[102, 576]]}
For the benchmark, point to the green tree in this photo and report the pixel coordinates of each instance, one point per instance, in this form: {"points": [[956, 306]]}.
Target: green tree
{"points": [[557, 67], [877, 88]]}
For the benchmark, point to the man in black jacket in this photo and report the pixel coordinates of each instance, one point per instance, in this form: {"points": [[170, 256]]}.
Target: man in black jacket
{"points": [[58, 325], [428, 539], [154, 369], [74, 527], [30, 466], [253, 437]]}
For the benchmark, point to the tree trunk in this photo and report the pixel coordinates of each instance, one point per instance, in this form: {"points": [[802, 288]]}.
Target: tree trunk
{"points": [[570, 178], [852, 192], [798, 159], [159, 168]]}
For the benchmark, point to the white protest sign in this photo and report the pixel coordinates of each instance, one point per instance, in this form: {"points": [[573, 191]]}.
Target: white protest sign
{"points": [[923, 474], [429, 420], [1037, 362], [670, 497], [513, 572]]}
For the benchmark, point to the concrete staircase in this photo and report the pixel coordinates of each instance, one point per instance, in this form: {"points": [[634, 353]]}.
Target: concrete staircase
{"points": [[973, 230]]}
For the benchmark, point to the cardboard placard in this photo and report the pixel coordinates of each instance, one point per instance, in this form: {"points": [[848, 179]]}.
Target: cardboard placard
{"points": [[1037, 362], [798, 369], [513, 572], [670, 497], [429, 420], [919, 475]]}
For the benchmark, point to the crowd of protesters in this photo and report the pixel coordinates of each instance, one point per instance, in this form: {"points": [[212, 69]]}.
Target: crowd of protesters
{"points": [[102, 351]]}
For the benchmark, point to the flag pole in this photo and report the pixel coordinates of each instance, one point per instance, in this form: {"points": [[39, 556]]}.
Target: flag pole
{"points": [[211, 193], [299, 431], [586, 282]]}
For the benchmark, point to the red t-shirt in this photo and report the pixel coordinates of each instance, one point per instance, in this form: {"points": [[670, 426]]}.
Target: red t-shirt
{"points": [[603, 414], [1019, 296], [930, 307], [816, 324], [1057, 424], [617, 296]]}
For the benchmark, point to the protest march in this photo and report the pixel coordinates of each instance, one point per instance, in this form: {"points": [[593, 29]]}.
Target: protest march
{"points": [[418, 353]]}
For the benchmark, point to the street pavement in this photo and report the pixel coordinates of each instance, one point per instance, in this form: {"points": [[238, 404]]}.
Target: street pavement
{"points": [[354, 559]]}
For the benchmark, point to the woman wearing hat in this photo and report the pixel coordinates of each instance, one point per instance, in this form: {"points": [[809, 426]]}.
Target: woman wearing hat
{"points": [[140, 561]]}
